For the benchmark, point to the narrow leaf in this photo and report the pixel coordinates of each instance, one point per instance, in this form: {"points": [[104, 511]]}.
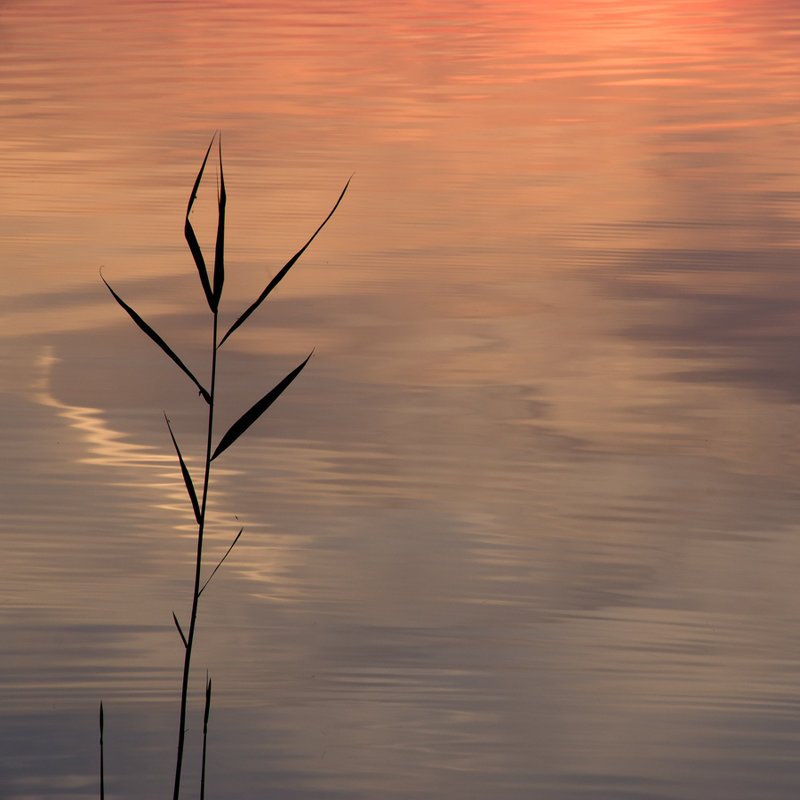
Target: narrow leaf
{"points": [[187, 478], [180, 630], [219, 252], [286, 267], [220, 562], [101, 719], [250, 416], [158, 340], [205, 738], [208, 703], [191, 239]]}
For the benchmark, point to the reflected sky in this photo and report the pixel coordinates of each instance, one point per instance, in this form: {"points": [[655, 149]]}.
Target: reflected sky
{"points": [[527, 525]]}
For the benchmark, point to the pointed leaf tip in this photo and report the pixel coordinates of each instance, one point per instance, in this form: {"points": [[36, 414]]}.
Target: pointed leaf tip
{"points": [[191, 238], [180, 630], [187, 478], [207, 709], [282, 272], [219, 564], [219, 250], [253, 413], [145, 328], [193, 195]]}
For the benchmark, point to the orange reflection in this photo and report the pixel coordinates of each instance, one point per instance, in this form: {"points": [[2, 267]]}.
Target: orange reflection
{"points": [[497, 149]]}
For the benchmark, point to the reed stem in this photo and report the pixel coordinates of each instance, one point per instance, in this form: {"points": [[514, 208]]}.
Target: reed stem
{"points": [[212, 288], [102, 765], [187, 659]]}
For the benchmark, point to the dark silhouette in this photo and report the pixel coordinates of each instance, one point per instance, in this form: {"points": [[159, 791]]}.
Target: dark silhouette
{"points": [[212, 288]]}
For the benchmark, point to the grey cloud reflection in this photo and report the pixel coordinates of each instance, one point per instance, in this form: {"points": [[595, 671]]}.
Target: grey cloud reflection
{"points": [[735, 313]]}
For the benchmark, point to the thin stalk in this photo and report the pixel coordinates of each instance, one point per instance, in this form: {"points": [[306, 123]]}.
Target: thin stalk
{"points": [[187, 659], [205, 738], [102, 762]]}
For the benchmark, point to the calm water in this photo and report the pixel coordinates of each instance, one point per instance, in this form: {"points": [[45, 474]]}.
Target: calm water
{"points": [[528, 526]]}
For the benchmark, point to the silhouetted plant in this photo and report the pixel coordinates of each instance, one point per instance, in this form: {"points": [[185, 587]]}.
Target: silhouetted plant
{"points": [[102, 764], [212, 288]]}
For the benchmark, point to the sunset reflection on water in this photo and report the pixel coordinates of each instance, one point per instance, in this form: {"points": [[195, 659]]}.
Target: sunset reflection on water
{"points": [[527, 525]]}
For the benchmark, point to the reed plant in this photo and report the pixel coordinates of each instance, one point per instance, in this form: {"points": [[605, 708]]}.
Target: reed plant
{"points": [[211, 281]]}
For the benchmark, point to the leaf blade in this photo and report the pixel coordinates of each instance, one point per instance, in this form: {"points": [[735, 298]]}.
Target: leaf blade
{"points": [[180, 630], [255, 411], [208, 703], [219, 563], [187, 478], [145, 328], [282, 272], [191, 238], [219, 249]]}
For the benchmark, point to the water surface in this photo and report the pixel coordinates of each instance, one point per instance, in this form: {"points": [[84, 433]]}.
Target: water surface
{"points": [[527, 525]]}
